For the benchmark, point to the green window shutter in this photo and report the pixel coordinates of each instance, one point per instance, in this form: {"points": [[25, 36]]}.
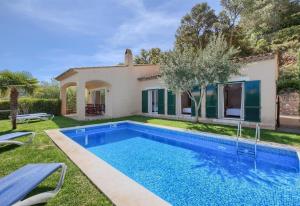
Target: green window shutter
{"points": [[193, 106], [212, 101], [161, 101], [171, 103], [145, 101], [252, 101]]}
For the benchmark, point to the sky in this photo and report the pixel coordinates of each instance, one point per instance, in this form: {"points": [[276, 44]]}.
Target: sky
{"points": [[46, 37]]}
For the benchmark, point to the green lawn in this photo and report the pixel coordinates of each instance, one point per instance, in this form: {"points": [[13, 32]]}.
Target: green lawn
{"points": [[77, 190]]}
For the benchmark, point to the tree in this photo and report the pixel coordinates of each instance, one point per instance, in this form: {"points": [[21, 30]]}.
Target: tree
{"points": [[13, 83], [183, 69], [152, 56], [48, 90], [230, 15], [196, 27]]}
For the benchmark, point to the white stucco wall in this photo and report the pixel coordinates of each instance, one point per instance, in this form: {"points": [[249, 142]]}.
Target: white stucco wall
{"points": [[265, 71], [124, 90], [122, 94]]}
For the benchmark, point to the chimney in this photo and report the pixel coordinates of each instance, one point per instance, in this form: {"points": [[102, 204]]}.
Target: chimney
{"points": [[128, 58]]}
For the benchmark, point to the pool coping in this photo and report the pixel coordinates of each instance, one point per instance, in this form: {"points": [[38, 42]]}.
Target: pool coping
{"points": [[119, 188], [208, 134]]}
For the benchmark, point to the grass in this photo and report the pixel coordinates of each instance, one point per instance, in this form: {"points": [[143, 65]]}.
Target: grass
{"points": [[77, 189]]}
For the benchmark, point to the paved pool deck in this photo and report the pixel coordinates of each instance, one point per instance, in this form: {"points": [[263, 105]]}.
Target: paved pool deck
{"points": [[119, 188]]}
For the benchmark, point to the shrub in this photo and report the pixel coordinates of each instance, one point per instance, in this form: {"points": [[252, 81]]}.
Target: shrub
{"points": [[32, 105], [4, 105], [293, 85]]}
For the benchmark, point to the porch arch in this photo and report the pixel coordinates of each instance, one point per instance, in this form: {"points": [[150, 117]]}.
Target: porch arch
{"points": [[93, 86], [63, 96]]}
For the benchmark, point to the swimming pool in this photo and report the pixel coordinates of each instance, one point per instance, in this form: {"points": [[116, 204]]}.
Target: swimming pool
{"points": [[190, 168]]}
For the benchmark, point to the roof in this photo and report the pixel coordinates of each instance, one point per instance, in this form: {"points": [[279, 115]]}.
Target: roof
{"points": [[149, 77], [74, 70], [249, 59]]}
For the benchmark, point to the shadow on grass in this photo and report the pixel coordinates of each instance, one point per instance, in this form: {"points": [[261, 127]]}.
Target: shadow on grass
{"points": [[5, 148], [6, 132], [39, 190]]}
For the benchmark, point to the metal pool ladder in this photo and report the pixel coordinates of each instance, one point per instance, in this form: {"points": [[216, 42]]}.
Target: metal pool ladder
{"points": [[245, 150]]}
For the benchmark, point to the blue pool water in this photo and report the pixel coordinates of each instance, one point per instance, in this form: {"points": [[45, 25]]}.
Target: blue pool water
{"points": [[192, 168]]}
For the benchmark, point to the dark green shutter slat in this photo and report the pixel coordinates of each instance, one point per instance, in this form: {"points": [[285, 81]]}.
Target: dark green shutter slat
{"points": [[252, 101], [161, 101], [193, 106], [145, 101], [171, 103], [212, 101]]}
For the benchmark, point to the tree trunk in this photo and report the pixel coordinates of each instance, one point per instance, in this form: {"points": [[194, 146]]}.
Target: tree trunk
{"points": [[14, 106], [196, 111]]}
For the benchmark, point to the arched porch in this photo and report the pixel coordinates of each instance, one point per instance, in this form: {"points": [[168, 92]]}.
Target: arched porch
{"points": [[92, 100]]}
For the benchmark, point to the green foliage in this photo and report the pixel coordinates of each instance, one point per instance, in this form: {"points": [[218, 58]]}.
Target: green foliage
{"points": [[262, 46], [289, 77], [71, 99], [32, 105], [196, 27], [285, 39], [47, 90], [151, 56], [288, 84], [20, 80], [184, 68]]}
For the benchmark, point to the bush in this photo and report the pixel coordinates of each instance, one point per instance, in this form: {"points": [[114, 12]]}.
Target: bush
{"points": [[32, 105], [4, 105], [293, 85]]}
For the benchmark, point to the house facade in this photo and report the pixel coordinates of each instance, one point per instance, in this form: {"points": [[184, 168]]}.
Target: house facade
{"points": [[130, 89]]}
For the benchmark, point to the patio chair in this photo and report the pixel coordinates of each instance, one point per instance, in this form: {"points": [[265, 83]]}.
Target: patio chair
{"points": [[15, 186], [21, 118], [9, 138]]}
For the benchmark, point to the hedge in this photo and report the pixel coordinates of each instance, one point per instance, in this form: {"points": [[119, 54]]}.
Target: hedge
{"points": [[288, 85], [32, 105]]}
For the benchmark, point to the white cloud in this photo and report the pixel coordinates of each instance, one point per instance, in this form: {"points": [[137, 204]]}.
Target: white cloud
{"points": [[54, 16], [146, 26], [111, 26]]}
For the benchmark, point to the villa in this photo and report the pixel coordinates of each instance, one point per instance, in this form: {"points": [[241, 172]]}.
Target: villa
{"points": [[129, 89]]}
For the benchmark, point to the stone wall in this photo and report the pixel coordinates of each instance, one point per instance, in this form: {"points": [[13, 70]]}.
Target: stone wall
{"points": [[289, 103]]}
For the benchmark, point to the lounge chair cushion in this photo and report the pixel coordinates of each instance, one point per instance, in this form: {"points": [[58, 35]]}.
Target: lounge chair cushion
{"points": [[15, 186], [13, 135]]}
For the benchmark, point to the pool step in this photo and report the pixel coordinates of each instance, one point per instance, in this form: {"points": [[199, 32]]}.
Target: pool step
{"points": [[250, 149], [246, 150]]}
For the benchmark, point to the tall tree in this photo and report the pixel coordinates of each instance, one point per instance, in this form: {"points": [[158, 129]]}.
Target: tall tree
{"points": [[196, 27], [183, 69], [268, 16], [151, 56], [232, 10], [12, 83]]}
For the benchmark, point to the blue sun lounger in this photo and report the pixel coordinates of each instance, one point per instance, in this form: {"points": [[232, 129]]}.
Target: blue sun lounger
{"points": [[15, 186], [9, 138]]}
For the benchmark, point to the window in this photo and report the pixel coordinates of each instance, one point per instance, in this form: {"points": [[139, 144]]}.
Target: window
{"points": [[233, 98]]}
